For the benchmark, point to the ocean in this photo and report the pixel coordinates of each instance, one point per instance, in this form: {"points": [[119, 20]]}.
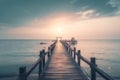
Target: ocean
{"points": [[106, 52], [16, 53]]}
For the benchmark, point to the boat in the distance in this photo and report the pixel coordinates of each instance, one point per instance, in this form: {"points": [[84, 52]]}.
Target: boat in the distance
{"points": [[42, 43]]}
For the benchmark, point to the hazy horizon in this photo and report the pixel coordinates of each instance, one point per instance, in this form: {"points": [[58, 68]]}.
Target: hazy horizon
{"points": [[55, 39]]}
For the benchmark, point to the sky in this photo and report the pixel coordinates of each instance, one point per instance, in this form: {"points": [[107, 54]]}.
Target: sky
{"points": [[47, 19]]}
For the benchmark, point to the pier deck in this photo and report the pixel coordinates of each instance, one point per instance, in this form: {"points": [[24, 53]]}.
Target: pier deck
{"points": [[62, 67]]}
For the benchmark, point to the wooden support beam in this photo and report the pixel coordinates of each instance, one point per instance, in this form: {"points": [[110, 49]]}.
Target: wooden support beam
{"points": [[79, 54], [22, 73], [93, 72], [74, 53]]}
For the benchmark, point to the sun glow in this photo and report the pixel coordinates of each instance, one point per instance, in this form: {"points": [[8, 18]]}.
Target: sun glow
{"points": [[59, 30]]}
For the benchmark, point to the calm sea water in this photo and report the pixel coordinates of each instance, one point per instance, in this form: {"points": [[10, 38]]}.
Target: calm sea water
{"points": [[16, 53], [106, 52]]}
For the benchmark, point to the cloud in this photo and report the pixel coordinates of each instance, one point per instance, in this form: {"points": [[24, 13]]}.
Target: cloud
{"points": [[88, 14], [115, 3], [15, 13], [104, 7], [18, 12], [104, 27]]}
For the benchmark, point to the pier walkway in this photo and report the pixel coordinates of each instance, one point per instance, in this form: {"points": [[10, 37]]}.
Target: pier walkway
{"points": [[61, 62], [62, 67]]}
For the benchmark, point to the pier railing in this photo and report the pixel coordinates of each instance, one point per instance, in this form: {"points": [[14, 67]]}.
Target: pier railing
{"points": [[92, 63], [23, 73]]}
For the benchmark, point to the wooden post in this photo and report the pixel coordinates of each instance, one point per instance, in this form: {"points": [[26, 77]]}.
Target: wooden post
{"points": [[71, 52], [79, 54], [22, 73], [69, 49], [40, 63], [48, 52], [93, 72], [43, 54], [65, 46], [74, 53], [51, 48]]}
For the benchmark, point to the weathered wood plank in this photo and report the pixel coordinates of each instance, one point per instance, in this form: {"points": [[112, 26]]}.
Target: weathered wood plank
{"points": [[62, 67]]}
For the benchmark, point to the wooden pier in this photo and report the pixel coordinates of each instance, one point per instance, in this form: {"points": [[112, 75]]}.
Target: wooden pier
{"points": [[62, 67], [61, 64]]}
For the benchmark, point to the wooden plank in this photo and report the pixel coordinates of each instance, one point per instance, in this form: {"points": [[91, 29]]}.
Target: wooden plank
{"points": [[62, 67]]}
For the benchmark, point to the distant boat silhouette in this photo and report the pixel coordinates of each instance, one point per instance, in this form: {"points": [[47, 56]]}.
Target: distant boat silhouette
{"points": [[42, 43]]}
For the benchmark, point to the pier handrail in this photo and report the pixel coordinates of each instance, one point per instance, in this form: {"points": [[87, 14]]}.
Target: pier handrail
{"points": [[98, 70], [91, 63], [23, 74], [32, 68]]}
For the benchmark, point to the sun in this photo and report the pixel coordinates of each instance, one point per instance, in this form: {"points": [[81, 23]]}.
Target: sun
{"points": [[59, 30]]}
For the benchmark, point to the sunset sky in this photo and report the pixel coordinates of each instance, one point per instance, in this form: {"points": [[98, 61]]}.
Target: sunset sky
{"points": [[47, 19]]}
